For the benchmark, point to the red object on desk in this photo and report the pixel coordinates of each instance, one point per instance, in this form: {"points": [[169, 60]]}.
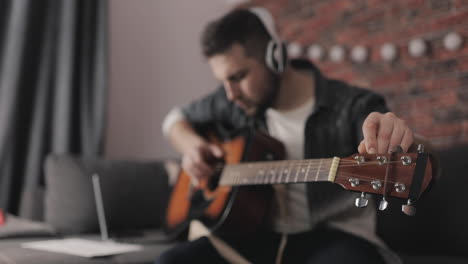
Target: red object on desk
{"points": [[2, 217]]}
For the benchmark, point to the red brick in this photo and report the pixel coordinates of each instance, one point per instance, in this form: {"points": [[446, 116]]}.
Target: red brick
{"points": [[367, 17], [444, 98], [460, 3], [463, 65], [333, 8], [449, 21], [391, 79], [441, 130], [435, 84]]}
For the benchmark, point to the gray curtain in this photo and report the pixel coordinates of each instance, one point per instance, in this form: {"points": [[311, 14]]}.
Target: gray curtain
{"points": [[53, 78]]}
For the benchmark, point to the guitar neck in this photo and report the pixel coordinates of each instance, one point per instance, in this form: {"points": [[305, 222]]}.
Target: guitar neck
{"points": [[275, 172]]}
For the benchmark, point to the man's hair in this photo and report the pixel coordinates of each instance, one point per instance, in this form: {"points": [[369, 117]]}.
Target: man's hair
{"points": [[238, 26]]}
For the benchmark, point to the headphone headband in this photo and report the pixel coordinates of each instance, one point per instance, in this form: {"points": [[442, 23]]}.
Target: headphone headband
{"points": [[276, 55], [267, 20]]}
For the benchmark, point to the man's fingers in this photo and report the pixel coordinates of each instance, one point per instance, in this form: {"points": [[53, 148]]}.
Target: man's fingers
{"points": [[199, 162], [362, 147], [216, 151], [385, 132], [369, 130], [407, 140], [399, 128]]}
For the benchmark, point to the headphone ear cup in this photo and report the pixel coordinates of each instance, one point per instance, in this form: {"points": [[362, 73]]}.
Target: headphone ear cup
{"points": [[282, 56], [270, 60], [276, 56]]}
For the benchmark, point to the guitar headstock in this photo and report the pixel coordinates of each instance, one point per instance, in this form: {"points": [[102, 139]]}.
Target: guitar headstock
{"points": [[402, 175]]}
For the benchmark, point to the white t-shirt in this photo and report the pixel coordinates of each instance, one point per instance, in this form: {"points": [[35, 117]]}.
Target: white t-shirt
{"points": [[289, 128]]}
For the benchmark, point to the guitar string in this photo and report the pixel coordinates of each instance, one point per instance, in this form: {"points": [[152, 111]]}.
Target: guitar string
{"points": [[299, 163], [297, 171], [324, 172]]}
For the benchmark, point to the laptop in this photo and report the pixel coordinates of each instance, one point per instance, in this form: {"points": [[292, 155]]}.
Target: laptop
{"points": [[122, 235]]}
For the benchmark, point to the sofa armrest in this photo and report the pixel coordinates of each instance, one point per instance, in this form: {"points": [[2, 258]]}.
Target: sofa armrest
{"points": [[134, 193]]}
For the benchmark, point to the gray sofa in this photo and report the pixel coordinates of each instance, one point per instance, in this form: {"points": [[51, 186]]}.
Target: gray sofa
{"points": [[437, 234], [135, 194]]}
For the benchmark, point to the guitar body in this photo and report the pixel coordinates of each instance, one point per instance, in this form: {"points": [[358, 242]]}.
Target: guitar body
{"points": [[226, 210]]}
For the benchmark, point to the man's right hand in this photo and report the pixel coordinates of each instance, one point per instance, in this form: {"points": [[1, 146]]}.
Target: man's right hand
{"points": [[199, 156], [199, 161]]}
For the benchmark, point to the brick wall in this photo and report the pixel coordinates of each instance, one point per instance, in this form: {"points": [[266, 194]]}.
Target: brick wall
{"points": [[429, 92]]}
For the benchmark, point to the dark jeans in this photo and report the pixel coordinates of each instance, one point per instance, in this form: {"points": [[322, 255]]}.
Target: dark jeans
{"points": [[322, 246]]}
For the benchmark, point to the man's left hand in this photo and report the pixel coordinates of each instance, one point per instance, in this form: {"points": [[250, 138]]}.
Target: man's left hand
{"points": [[383, 133]]}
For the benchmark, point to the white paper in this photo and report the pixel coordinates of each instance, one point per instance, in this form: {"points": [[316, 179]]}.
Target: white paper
{"points": [[82, 247]]}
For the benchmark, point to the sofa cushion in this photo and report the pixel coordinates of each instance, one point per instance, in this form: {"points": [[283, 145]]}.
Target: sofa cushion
{"points": [[134, 193]]}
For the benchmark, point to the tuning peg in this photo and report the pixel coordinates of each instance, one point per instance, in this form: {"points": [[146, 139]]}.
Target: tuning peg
{"points": [[420, 148], [383, 204], [409, 208], [361, 201]]}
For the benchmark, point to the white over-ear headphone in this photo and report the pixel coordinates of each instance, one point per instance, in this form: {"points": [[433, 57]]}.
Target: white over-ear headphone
{"points": [[276, 55]]}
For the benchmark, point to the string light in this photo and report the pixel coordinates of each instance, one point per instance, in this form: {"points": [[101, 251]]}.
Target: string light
{"points": [[453, 41], [337, 53], [315, 52], [388, 52], [359, 54], [294, 50], [417, 47]]}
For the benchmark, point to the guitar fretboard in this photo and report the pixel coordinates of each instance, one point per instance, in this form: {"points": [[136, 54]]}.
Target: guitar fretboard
{"points": [[275, 172]]}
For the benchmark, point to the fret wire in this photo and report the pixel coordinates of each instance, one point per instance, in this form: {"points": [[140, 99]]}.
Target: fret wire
{"points": [[265, 178], [307, 171], [318, 171], [279, 172], [297, 174], [299, 170], [286, 171]]}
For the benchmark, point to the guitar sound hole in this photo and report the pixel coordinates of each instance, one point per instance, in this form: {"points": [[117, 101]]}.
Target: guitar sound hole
{"points": [[214, 181], [269, 157]]}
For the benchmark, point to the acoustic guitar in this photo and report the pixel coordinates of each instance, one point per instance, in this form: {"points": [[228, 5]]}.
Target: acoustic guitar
{"points": [[236, 201]]}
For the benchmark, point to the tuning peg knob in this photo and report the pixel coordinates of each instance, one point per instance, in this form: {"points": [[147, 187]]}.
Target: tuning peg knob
{"points": [[383, 204], [361, 201], [409, 208]]}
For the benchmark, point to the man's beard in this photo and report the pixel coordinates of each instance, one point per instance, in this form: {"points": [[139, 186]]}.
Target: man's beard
{"points": [[274, 84]]}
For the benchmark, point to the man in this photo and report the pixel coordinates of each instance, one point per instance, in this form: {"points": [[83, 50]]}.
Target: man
{"points": [[313, 116]]}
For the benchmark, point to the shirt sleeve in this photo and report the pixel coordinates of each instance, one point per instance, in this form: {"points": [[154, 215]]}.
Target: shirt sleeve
{"points": [[171, 118], [198, 113], [214, 111]]}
